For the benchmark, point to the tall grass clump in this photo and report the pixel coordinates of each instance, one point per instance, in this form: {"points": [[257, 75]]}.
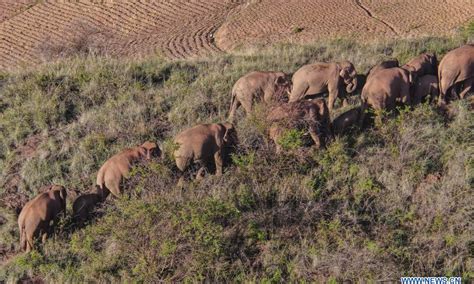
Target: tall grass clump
{"points": [[394, 200]]}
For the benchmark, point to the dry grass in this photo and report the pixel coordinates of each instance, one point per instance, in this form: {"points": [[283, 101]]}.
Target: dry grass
{"points": [[392, 201]]}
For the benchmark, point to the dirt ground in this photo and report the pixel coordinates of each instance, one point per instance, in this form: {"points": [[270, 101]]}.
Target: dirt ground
{"points": [[34, 31]]}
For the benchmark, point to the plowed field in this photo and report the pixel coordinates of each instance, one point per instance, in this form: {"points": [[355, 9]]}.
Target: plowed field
{"points": [[180, 29]]}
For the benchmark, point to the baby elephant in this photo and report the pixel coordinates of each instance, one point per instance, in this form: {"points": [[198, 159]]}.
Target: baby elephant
{"points": [[312, 116], [85, 204], [203, 144], [426, 85], [36, 216], [345, 121], [110, 175]]}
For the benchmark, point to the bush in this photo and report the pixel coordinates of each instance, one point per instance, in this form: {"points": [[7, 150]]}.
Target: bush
{"points": [[389, 202]]}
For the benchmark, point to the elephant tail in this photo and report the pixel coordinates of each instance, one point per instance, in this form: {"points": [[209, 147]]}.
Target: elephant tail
{"points": [[233, 105], [23, 240]]}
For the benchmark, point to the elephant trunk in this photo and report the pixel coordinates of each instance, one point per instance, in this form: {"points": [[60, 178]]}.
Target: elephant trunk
{"points": [[351, 87]]}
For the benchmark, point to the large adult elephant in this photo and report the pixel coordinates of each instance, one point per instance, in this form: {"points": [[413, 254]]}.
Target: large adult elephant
{"points": [[456, 73], [37, 215], [204, 144], [388, 87], [336, 78], [258, 86]]}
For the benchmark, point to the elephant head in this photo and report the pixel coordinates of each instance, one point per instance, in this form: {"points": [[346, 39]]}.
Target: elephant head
{"points": [[60, 194], [424, 64], [230, 136], [282, 84], [349, 75], [150, 150]]}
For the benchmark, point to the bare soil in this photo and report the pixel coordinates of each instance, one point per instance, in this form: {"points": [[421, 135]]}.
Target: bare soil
{"points": [[181, 29]]}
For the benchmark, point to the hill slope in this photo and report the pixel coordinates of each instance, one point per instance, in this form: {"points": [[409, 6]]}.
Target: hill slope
{"points": [[391, 201]]}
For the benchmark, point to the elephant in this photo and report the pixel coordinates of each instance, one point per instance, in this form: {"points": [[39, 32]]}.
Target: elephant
{"points": [[362, 78], [336, 78], [345, 121], [386, 64], [312, 116], [36, 216], [424, 64], [388, 87], [456, 73], [257, 86], [85, 204], [113, 171], [424, 86], [204, 144]]}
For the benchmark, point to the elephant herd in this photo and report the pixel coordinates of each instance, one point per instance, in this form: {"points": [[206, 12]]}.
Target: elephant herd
{"points": [[293, 102]]}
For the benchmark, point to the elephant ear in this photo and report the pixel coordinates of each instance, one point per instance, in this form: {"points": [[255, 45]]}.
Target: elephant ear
{"points": [[63, 193], [281, 81], [347, 72], [229, 128]]}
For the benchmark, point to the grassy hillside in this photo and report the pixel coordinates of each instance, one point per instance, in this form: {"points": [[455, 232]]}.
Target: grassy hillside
{"points": [[395, 200]]}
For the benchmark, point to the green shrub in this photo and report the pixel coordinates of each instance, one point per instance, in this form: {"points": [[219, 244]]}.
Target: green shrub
{"points": [[392, 200]]}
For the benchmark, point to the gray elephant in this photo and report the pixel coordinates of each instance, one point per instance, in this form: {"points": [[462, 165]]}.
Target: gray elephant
{"points": [[310, 116], [36, 216], [336, 78], [258, 86], [204, 144], [425, 86], [388, 87], [456, 73]]}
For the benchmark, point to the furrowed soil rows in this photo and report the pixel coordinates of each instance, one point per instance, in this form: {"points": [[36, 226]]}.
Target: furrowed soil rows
{"points": [[10, 8], [422, 17], [297, 20], [181, 29]]}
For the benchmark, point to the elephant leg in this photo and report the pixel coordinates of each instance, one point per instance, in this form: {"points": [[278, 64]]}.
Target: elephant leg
{"points": [[467, 87], [416, 98], [315, 134], [44, 237], [345, 102], [219, 162], [247, 104], [298, 92], [29, 243], [233, 109], [200, 173], [114, 187]]}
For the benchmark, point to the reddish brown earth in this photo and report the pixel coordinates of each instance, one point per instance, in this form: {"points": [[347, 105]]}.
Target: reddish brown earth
{"points": [[180, 29]]}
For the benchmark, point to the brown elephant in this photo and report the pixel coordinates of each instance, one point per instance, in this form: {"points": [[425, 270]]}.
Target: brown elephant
{"points": [[424, 64], [257, 86], [386, 64], [36, 216], [345, 121], [311, 116], [85, 204], [388, 87], [113, 171], [204, 144], [336, 78], [424, 86], [456, 73]]}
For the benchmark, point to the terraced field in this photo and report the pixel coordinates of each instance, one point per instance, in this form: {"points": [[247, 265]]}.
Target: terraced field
{"points": [[181, 29]]}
